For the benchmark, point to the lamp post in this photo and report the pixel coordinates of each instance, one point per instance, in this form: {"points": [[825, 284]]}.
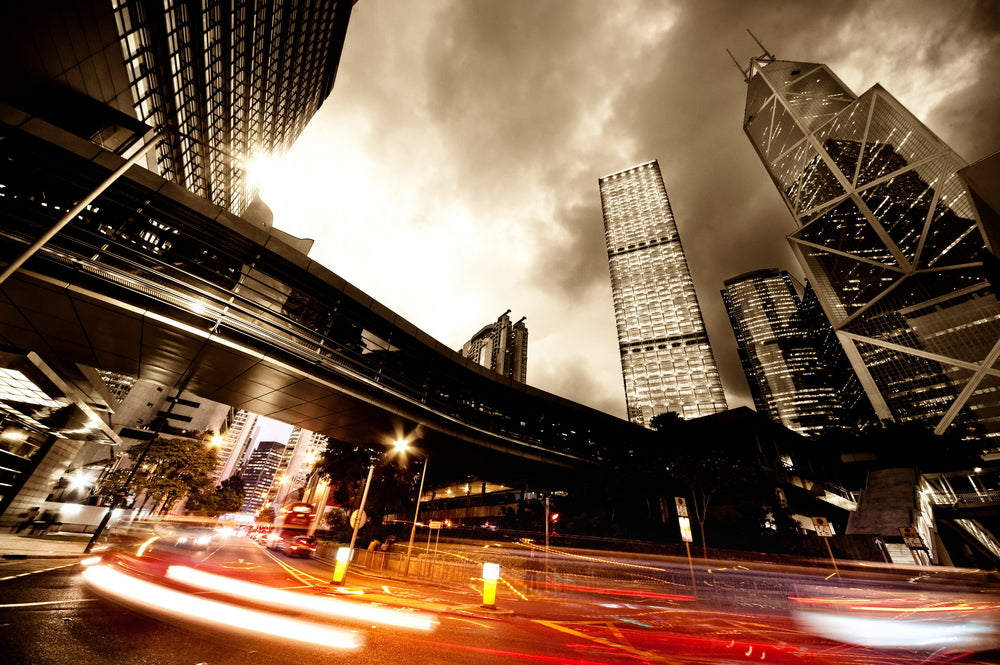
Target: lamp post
{"points": [[359, 516], [416, 514]]}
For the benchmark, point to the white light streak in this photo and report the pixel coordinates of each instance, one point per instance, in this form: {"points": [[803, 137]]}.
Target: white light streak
{"points": [[160, 599], [324, 606]]}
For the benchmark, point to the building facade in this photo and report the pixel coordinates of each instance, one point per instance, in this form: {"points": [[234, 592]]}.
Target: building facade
{"points": [[210, 86], [224, 84], [502, 347], [890, 239], [667, 361], [237, 443], [788, 378], [856, 411], [260, 472]]}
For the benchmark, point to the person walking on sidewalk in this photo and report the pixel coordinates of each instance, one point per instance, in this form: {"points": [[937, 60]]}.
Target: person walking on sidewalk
{"points": [[26, 519]]}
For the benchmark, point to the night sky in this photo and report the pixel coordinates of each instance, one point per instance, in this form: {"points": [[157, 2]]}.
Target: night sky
{"points": [[452, 174]]}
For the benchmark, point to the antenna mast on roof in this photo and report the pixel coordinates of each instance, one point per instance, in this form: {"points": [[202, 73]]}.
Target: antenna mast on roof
{"points": [[745, 72], [767, 54]]}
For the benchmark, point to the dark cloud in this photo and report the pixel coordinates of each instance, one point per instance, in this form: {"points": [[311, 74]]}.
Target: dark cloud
{"points": [[574, 259], [498, 118]]}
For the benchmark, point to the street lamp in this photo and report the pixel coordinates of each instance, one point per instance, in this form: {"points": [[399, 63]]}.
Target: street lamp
{"points": [[401, 446], [358, 517]]}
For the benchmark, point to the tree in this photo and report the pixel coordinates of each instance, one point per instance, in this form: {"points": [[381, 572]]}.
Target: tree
{"points": [[173, 468], [347, 465], [705, 468], [226, 498]]}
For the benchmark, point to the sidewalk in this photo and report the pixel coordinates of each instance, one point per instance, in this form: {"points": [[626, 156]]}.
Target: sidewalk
{"points": [[22, 546]]}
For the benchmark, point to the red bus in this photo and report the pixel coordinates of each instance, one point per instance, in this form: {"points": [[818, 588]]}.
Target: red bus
{"points": [[292, 529]]}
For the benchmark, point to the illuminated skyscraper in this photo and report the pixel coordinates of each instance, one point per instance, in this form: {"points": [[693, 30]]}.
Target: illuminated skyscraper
{"points": [[502, 347], [789, 381], [667, 362], [889, 237], [228, 82], [260, 471]]}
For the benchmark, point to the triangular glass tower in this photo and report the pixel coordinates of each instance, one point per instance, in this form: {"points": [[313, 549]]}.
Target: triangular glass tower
{"points": [[890, 238]]}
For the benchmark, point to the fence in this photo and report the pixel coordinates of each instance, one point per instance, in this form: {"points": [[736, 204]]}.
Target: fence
{"points": [[534, 571]]}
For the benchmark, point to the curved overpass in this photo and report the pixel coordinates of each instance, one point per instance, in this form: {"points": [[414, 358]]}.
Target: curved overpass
{"points": [[154, 282]]}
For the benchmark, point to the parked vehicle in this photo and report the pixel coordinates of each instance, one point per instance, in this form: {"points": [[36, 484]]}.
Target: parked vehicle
{"points": [[295, 544]]}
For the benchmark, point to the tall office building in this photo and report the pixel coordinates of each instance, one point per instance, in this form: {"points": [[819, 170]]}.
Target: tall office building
{"points": [[228, 82], [788, 380], [235, 446], [667, 362], [856, 411], [889, 237], [502, 347], [259, 473]]}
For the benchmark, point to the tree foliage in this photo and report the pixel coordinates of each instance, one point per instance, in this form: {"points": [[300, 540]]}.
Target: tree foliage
{"points": [[226, 498], [392, 489], [705, 467], [173, 468]]}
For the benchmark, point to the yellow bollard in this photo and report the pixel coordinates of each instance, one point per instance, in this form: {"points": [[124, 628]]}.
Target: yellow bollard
{"points": [[491, 573], [340, 567]]}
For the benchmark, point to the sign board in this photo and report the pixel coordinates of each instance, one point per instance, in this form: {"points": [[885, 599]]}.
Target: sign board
{"points": [[912, 538], [823, 527], [435, 524], [685, 529], [682, 508], [358, 519]]}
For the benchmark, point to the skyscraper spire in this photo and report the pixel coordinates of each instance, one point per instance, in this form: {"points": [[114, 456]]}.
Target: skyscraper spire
{"points": [[889, 237]]}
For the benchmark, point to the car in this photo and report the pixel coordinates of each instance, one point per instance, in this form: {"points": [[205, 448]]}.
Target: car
{"points": [[194, 538], [292, 544]]}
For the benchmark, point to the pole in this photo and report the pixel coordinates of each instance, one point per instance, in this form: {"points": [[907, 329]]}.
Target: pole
{"points": [[832, 559], [546, 523], [13, 266], [361, 510], [120, 494], [416, 513], [694, 585]]}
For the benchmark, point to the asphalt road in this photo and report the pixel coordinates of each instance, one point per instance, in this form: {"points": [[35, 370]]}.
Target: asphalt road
{"points": [[49, 616]]}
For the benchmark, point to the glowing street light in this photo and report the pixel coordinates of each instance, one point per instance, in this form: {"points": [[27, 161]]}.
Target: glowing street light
{"points": [[402, 446]]}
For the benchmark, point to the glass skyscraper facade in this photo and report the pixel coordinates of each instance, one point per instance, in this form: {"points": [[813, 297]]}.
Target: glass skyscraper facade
{"points": [[788, 379], [232, 82], [890, 239], [259, 472], [225, 82], [667, 362]]}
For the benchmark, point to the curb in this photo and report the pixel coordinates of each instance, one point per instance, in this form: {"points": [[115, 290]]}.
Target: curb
{"points": [[481, 612]]}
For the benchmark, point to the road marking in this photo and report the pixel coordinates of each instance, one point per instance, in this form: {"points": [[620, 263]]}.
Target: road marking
{"points": [[305, 578], [474, 623], [623, 645], [49, 602], [35, 572]]}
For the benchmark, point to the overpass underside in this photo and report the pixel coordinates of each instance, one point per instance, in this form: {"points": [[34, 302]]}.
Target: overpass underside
{"points": [[153, 282]]}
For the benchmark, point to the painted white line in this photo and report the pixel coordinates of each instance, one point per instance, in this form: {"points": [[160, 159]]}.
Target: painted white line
{"points": [[35, 572], [48, 602]]}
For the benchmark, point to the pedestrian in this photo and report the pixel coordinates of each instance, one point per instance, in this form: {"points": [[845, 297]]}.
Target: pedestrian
{"points": [[26, 519], [42, 524]]}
